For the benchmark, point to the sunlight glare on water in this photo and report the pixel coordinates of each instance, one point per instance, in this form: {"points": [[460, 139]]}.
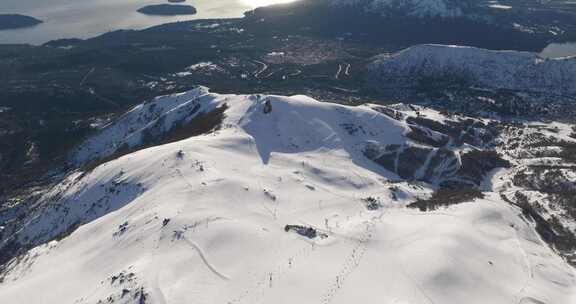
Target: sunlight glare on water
{"points": [[258, 3]]}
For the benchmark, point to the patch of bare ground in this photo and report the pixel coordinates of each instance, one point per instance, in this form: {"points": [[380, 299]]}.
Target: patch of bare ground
{"points": [[445, 197]]}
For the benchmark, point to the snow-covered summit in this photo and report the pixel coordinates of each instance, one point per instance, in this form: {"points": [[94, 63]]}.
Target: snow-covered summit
{"points": [[511, 70], [279, 200], [297, 123]]}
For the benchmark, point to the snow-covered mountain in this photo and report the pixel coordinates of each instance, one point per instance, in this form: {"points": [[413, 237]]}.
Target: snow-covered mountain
{"points": [[270, 199], [412, 8], [147, 122], [442, 65]]}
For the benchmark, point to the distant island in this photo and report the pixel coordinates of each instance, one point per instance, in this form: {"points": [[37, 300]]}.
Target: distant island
{"points": [[168, 10], [176, 1], [14, 21]]}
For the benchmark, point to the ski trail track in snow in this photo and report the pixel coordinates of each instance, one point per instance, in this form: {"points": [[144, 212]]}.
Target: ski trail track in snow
{"points": [[351, 262], [256, 290], [205, 260]]}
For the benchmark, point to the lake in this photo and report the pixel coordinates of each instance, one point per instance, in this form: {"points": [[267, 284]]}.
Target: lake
{"points": [[88, 18]]}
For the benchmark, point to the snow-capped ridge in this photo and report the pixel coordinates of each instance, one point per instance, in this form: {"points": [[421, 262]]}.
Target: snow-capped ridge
{"points": [[300, 124], [510, 70], [297, 122], [147, 119], [427, 49]]}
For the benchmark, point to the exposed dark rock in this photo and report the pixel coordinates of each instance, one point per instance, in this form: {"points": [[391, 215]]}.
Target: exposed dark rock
{"points": [[308, 232], [267, 107], [165, 222], [372, 203]]}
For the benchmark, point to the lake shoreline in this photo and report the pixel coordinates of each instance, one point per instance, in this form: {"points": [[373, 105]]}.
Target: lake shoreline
{"points": [[66, 19]]}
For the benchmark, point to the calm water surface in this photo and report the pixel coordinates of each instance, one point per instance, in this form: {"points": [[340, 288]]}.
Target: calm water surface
{"points": [[88, 18]]}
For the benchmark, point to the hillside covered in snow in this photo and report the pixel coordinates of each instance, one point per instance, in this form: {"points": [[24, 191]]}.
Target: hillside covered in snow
{"points": [[206, 198], [445, 66]]}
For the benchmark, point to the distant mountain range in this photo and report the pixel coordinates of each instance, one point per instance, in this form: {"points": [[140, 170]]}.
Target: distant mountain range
{"points": [[429, 65], [413, 8]]}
